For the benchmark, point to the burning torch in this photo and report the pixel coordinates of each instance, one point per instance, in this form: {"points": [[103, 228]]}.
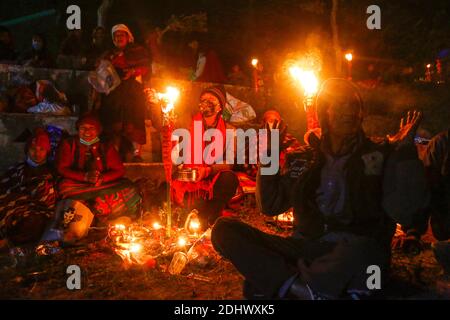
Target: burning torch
{"points": [[167, 102], [258, 81], [428, 73], [349, 58], [309, 83]]}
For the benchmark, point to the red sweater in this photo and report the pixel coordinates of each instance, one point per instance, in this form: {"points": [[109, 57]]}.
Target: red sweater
{"points": [[106, 160]]}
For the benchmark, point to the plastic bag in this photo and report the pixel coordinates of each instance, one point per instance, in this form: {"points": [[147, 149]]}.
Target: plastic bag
{"points": [[237, 111], [105, 79], [50, 108], [77, 220]]}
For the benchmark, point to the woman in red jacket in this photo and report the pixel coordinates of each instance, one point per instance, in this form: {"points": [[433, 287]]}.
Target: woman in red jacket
{"points": [[92, 172]]}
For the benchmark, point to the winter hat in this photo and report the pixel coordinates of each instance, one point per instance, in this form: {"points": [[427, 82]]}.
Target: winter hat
{"points": [[122, 27], [219, 92]]}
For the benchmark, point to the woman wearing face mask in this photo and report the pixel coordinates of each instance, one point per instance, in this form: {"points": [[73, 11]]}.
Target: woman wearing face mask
{"points": [[92, 172], [27, 194], [37, 56]]}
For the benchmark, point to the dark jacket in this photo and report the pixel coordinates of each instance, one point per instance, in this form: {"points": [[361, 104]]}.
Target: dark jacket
{"points": [[384, 185]]}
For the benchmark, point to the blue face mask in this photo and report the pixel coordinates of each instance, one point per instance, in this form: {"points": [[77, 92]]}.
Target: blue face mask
{"points": [[37, 45]]}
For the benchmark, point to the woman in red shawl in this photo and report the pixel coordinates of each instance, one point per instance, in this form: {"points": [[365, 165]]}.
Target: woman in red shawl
{"points": [[123, 111], [92, 172], [27, 194], [216, 184]]}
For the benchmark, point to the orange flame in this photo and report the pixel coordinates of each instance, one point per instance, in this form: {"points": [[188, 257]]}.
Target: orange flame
{"points": [[169, 98], [307, 79]]}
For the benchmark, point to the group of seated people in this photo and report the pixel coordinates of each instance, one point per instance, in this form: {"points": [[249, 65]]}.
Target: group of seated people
{"points": [[33, 193], [122, 112], [347, 192]]}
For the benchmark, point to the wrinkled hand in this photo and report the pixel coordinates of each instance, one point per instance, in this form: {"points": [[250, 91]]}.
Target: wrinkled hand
{"points": [[408, 129]]}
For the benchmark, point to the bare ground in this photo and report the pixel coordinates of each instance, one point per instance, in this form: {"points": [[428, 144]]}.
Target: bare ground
{"points": [[104, 275]]}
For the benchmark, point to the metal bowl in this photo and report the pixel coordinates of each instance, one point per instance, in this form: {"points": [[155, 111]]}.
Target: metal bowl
{"points": [[187, 175]]}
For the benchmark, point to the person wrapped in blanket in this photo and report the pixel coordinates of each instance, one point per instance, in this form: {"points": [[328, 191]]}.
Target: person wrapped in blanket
{"points": [[27, 194], [215, 184], [91, 172], [123, 111]]}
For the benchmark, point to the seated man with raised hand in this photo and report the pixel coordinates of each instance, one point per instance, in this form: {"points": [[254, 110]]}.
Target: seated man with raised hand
{"points": [[343, 190]]}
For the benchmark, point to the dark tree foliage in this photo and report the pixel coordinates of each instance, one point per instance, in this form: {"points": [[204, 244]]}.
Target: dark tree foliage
{"points": [[413, 31]]}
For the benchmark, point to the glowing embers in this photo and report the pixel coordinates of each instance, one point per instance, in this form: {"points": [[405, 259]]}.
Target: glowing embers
{"points": [[142, 245], [135, 244]]}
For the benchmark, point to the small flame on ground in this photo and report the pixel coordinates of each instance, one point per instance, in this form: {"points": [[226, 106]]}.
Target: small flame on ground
{"points": [[286, 217]]}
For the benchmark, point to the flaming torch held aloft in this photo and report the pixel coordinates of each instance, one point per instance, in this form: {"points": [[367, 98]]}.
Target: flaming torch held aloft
{"points": [[349, 58], [309, 83], [167, 102], [258, 81]]}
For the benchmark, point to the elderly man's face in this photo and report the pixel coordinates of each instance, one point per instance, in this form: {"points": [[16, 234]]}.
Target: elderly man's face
{"points": [[120, 39], [344, 118], [209, 105], [88, 132]]}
